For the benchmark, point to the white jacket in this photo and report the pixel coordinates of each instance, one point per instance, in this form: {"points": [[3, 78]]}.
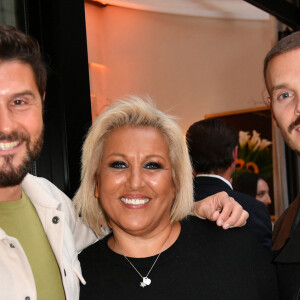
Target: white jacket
{"points": [[67, 236]]}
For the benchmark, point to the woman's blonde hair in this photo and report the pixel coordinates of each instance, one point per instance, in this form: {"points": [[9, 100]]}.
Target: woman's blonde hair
{"points": [[133, 111]]}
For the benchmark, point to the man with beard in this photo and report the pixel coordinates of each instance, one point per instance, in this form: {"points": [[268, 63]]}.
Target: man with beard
{"points": [[282, 78], [38, 253], [40, 234]]}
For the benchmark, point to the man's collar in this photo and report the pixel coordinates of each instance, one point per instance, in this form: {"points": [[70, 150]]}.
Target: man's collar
{"points": [[216, 176], [40, 191]]}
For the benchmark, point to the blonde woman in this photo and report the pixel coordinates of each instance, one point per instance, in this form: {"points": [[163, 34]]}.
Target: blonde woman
{"points": [[137, 177]]}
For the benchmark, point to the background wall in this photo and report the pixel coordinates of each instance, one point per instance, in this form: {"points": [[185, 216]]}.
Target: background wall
{"points": [[190, 66]]}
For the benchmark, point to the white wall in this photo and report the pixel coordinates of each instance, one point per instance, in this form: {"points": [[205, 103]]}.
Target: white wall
{"points": [[190, 66]]}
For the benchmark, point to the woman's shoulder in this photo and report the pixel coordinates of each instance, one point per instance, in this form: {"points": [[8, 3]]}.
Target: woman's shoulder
{"points": [[235, 244], [208, 232], [93, 250], [206, 226]]}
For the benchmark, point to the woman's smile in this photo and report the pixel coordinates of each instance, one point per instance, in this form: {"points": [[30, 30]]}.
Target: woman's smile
{"points": [[135, 200]]}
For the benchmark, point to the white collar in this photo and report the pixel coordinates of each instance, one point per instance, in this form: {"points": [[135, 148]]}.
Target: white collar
{"points": [[40, 191], [216, 176]]}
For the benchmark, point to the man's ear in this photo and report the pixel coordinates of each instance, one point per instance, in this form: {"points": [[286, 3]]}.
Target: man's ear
{"points": [[235, 153], [273, 116]]}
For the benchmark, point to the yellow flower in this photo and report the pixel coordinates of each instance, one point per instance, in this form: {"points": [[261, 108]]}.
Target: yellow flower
{"points": [[252, 167], [239, 164]]}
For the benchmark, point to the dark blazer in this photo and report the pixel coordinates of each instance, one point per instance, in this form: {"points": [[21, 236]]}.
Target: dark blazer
{"points": [[286, 247], [258, 223]]}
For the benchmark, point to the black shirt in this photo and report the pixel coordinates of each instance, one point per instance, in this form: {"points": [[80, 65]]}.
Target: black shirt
{"points": [[205, 262]]}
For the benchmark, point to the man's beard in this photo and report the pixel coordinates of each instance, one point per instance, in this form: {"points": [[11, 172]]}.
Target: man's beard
{"points": [[11, 175]]}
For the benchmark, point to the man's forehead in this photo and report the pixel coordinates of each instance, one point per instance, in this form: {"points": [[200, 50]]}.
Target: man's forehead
{"points": [[17, 77], [284, 57], [12, 63], [283, 69]]}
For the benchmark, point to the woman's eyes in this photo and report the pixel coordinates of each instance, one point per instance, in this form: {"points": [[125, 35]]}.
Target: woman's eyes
{"points": [[123, 165], [261, 194], [118, 165], [152, 165]]}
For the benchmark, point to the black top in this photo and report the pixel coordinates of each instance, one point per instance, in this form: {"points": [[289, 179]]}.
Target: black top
{"points": [[205, 262], [286, 243], [259, 221]]}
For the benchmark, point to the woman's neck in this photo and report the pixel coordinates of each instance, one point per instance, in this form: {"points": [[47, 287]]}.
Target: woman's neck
{"points": [[140, 246]]}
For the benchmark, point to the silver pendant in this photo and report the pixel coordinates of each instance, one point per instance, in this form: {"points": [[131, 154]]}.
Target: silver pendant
{"points": [[146, 281]]}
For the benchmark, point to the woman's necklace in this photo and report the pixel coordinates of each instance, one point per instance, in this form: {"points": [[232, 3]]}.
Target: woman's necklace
{"points": [[146, 280]]}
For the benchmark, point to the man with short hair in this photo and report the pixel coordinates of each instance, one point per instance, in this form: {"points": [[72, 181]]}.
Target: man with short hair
{"points": [[40, 234], [213, 148], [38, 253], [282, 78]]}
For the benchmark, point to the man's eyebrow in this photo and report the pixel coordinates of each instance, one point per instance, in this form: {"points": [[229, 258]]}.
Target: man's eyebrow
{"points": [[24, 93], [279, 87]]}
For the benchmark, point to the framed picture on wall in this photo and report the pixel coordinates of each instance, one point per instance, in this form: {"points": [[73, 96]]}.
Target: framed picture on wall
{"points": [[255, 143]]}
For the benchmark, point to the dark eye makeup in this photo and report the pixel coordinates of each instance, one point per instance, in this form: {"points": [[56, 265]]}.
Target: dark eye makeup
{"points": [[152, 165], [118, 165], [122, 165]]}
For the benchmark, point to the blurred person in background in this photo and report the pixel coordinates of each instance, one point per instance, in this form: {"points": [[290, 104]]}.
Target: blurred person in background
{"points": [[253, 185]]}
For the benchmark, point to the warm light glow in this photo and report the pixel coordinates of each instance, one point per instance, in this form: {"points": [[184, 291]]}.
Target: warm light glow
{"points": [[95, 65]]}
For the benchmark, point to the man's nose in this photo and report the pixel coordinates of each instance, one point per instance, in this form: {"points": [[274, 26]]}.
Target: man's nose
{"points": [[7, 122], [269, 201], [297, 106]]}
